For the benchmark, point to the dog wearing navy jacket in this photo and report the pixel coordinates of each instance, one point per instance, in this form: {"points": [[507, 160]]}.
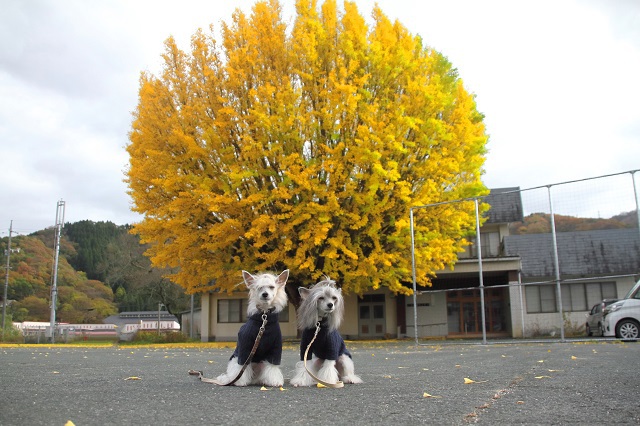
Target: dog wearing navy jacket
{"points": [[330, 359], [266, 296]]}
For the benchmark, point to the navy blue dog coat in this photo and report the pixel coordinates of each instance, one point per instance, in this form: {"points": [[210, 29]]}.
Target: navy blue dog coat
{"points": [[270, 346], [328, 344]]}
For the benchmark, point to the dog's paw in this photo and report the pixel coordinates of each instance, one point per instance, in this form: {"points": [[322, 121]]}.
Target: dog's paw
{"points": [[302, 379], [242, 383], [271, 377], [302, 382], [352, 379]]}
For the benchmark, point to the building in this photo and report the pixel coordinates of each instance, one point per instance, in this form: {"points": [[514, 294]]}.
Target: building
{"points": [[128, 323], [518, 279]]}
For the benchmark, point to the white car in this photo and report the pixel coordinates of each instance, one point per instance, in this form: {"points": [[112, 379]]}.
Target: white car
{"points": [[593, 325], [622, 318]]}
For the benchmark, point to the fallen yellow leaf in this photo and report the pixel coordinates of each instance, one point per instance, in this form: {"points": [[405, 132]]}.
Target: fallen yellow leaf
{"points": [[468, 381], [55, 372], [574, 357], [69, 423], [282, 389], [133, 378], [320, 385], [552, 371], [426, 395], [542, 360], [543, 377], [263, 388], [519, 402]]}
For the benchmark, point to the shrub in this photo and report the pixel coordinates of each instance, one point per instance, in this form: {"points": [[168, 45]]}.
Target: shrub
{"points": [[11, 334], [154, 337]]}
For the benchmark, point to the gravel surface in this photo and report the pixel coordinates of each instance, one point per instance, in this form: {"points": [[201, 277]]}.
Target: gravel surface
{"points": [[516, 383]]}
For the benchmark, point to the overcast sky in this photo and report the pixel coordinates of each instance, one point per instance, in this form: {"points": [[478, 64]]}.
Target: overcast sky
{"points": [[557, 80]]}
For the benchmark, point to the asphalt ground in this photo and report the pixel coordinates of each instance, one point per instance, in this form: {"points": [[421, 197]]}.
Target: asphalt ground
{"points": [[524, 383]]}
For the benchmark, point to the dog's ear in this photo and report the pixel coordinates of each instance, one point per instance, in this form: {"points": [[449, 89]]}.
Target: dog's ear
{"points": [[248, 279], [304, 292], [282, 278]]}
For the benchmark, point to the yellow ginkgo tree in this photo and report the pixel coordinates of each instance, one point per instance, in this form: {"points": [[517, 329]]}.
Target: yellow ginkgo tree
{"points": [[304, 148]]}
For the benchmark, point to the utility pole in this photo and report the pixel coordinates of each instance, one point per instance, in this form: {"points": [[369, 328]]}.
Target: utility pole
{"points": [[6, 279], [54, 285]]}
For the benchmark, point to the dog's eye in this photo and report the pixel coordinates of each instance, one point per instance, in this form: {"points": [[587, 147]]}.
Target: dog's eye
{"points": [[335, 298], [271, 287], [321, 298]]}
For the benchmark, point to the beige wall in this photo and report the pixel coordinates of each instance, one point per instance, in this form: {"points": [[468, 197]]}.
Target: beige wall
{"points": [[228, 332], [350, 325], [548, 324], [212, 331], [432, 319]]}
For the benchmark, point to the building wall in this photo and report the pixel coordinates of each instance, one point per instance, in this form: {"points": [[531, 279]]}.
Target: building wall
{"points": [[548, 324], [518, 309], [349, 327], [211, 330], [197, 323], [431, 313]]}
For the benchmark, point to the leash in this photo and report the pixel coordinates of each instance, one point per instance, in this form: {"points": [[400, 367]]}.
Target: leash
{"points": [[244, 366], [338, 384]]}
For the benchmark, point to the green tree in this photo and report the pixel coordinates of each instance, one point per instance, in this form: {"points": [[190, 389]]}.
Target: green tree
{"points": [[91, 240], [304, 150]]}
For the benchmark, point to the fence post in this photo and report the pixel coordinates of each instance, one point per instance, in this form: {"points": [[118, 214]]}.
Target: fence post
{"points": [[479, 248], [556, 264], [413, 273]]}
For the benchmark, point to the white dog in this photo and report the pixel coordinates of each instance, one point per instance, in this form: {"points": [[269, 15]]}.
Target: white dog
{"points": [[331, 360], [266, 297]]}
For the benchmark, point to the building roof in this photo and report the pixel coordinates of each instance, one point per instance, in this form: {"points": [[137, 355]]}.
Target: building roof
{"points": [[506, 205], [584, 253], [137, 316]]}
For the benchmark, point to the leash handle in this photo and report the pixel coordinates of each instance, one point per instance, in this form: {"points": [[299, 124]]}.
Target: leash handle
{"points": [[244, 366], [336, 385]]}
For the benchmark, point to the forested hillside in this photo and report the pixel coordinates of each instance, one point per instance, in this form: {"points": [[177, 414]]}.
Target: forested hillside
{"points": [[80, 300], [101, 271], [537, 223]]}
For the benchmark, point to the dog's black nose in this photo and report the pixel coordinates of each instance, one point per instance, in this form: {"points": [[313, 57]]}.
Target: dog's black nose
{"points": [[329, 305], [265, 295]]}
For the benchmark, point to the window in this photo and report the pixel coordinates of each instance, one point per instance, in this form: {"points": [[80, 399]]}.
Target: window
{"points": [[575, 296], [490, 246], [283, 316], [235, 310], [232, 310], [582, 296]]}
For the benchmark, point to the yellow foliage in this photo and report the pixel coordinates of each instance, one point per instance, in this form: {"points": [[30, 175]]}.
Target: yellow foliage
{"points": [[304, 150]]}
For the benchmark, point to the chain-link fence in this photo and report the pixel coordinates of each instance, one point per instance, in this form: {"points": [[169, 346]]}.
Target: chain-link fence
{"points": [[544, 257]]}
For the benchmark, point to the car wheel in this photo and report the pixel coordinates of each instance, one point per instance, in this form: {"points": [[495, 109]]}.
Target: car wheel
{"points": [[589, 332], [627, 329]]}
